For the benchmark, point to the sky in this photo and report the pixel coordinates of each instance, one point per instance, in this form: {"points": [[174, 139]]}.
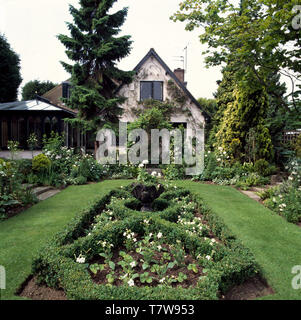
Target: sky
{"points": [[31, 28]]}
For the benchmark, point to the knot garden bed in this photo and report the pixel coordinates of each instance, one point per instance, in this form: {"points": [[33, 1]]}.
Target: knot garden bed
{"points": [[111, 250]]}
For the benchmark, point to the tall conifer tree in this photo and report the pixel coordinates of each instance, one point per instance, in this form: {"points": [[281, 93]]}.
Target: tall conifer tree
{"points": [[10, 76], [95, 48]]}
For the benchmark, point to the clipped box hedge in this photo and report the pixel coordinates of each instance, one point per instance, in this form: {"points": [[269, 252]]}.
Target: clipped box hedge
{"points": [[55, 264]]}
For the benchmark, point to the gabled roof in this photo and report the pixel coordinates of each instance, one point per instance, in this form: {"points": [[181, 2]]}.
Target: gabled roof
{"points": [[38, 104], [153, 53]]}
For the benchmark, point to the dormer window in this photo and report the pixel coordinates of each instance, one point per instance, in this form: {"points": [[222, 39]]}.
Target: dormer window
{"points": [[66, 90], [151, 90]]}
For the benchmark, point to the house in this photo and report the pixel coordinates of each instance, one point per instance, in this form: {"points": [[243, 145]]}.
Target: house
{"points": [[153, 79]]}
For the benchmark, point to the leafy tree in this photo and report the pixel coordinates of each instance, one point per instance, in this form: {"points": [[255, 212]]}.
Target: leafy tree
{"points": [[208, 105], [95, 48], [257, 36], [211, 107], [32, 88], [10, 77]]}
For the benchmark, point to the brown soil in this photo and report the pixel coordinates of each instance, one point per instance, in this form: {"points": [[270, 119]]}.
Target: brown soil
{"points": [[30, 289], [249, 290]]}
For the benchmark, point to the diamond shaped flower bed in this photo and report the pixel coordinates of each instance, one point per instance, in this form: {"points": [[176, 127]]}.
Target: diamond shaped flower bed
{"points": [[180, 250]]}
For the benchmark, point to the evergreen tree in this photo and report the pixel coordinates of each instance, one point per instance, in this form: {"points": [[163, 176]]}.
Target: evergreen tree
{"points": [[95, 49], [36, 87], [223, 97], [243, 123], [10, 77]]}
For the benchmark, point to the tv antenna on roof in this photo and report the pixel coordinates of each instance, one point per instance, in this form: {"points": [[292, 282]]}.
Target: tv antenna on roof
{"points": [[183, 58], [186, 57]]}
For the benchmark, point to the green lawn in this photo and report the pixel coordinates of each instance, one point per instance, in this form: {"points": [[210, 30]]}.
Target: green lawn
{"points": [[22, 235], [275, 243]]}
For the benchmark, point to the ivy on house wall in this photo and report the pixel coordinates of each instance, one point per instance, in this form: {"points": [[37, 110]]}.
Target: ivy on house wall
{"points": [[176, 94]]}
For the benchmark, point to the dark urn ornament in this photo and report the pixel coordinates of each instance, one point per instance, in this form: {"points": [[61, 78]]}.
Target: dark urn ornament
{"points": [[147, 194]]}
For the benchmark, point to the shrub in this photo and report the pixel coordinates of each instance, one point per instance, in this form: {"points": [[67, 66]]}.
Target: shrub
{"points": [[41, 163], [263, 168], [174, 172], [11, 191], [298, 146], [286, 198], [80, 180]]}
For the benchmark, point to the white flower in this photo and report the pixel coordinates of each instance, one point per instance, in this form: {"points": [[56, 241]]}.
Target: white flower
{"points": [[141, 165], [159, 247], [154, 173], [159, 174], [218, 159], [208, 257], [159, 235], [133, 264], [80, 259], [145, 161], [162, 280], [213, 240], [131, 283]]}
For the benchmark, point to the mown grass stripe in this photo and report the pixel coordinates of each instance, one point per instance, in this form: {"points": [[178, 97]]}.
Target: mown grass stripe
{"points": [[21, 236], [275, 243]]}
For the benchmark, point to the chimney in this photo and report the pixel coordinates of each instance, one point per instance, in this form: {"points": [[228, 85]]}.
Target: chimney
{"points": [[179, 73]]}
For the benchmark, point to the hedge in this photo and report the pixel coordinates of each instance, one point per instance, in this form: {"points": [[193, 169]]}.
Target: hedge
{"points": [[56, 267]]}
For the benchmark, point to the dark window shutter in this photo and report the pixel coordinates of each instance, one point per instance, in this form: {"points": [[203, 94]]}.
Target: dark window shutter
{"points": [[158, 90], [145, 90]]}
